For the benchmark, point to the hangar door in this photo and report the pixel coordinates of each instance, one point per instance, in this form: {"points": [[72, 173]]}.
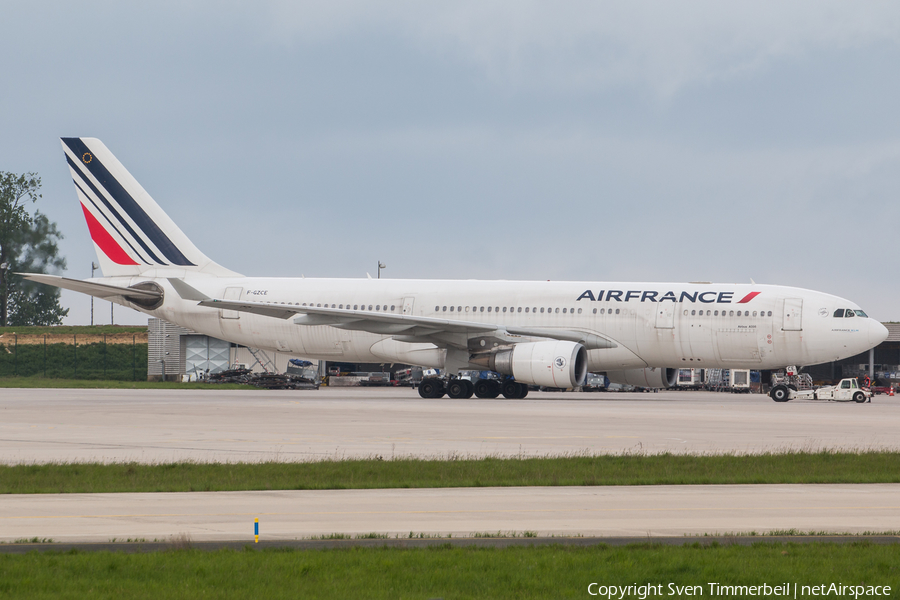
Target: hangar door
{"points": [[793, 314], [202, 353]]}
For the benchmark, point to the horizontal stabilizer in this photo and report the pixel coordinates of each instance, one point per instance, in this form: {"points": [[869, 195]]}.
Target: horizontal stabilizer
{"points": [[100, 290]]}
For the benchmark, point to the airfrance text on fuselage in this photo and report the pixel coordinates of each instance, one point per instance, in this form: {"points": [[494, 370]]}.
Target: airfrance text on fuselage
{"points": [[654, 296]]}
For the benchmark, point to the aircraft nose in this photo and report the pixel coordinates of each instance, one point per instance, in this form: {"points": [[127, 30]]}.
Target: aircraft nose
{"points": [[877, 333]]}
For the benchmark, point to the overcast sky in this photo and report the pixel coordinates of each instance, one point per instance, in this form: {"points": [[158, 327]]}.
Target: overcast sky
{"points": [[584, 140]]}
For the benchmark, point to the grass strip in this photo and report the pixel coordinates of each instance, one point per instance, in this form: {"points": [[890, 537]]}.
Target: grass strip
{"points": [[72, 329], [444, 572], [47, 382], [657, 469]]}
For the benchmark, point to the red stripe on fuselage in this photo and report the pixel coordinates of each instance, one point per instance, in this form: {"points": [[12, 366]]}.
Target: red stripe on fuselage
{"points": [[748, 297], [106, 242]]}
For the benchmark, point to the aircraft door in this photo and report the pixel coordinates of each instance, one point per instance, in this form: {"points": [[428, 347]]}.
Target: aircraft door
{"points": [[231, 293], [793, 314], [665, 315], [408, 305]]}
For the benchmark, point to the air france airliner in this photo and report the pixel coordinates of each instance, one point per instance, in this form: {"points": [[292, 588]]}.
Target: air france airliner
{"points": [[531, 332]]}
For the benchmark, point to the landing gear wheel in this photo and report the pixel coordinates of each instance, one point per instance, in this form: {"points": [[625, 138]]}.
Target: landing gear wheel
{"points": [[431, 388], [487, 388], [859, 397], [514, 390], [460, 388], [510, 389], [780, 393]]}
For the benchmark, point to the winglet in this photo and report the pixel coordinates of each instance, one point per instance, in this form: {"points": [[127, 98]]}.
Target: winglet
{"points": [[187, 292]]}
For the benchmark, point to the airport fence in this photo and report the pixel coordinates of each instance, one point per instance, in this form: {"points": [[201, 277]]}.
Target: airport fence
{"points": [[74, 360]]}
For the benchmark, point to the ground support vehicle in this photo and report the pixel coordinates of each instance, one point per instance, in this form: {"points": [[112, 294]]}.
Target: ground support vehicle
{"points": [[689, 379], [594, 383], [740, 381], [846, 391]]}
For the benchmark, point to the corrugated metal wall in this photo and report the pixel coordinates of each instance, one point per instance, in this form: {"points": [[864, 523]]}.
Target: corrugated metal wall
{"points": [[164, 344]]}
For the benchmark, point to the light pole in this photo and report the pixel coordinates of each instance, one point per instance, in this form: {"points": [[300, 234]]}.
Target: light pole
{"points": [[93, 268], [381, 266], [5, 279]]}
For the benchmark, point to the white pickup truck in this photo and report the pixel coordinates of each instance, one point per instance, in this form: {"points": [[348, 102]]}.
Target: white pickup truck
{"points": [[846, 391]]}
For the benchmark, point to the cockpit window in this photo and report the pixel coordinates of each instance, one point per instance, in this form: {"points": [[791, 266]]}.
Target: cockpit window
{"points": [[839, 313], [860, 313], [849, 313]]}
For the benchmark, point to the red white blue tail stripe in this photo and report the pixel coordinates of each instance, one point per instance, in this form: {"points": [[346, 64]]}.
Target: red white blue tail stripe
{"points": [[123, 231]]}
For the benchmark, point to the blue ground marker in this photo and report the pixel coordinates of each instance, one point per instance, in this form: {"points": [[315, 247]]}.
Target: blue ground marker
{"points": [[256, 530]]}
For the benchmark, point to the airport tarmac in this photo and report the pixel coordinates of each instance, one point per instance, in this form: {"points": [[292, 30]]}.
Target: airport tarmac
{"points": [[68, 425], [234, 425], [601, 511]]}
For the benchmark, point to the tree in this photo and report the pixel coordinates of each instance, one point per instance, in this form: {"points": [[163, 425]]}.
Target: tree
{"points": [[28, 243]]}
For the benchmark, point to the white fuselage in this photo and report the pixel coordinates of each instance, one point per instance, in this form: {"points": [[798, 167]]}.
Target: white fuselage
{"points": [[651, 324]]}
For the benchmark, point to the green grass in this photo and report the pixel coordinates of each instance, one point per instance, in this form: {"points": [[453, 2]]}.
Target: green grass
{"points": [[47, 382], [73, 329], [439, 572], [660, 469]]}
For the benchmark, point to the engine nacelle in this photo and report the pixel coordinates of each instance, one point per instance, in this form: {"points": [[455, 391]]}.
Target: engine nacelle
{"points": [[651, 377], [558, 364]]}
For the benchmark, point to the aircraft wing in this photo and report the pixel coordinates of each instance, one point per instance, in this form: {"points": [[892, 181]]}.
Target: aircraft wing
{"points": [[405, 328], [350, 319], [100, 290], [409, 328]]}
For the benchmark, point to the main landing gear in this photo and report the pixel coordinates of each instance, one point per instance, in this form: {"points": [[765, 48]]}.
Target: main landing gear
{"points": [[463, 388]]}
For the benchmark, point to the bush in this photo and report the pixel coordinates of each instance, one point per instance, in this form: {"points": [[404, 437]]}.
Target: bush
{"points": [[126, 362]]}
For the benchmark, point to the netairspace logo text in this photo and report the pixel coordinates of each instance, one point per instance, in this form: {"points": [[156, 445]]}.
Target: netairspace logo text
{"points": [[713, 589]]}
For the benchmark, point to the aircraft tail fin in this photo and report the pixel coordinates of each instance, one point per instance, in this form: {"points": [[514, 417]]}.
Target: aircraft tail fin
{"points": [[132, 235]]}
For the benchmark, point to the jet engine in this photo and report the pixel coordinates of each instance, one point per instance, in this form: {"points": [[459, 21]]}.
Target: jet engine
{"points": [[651, 377], [559, 364]]}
